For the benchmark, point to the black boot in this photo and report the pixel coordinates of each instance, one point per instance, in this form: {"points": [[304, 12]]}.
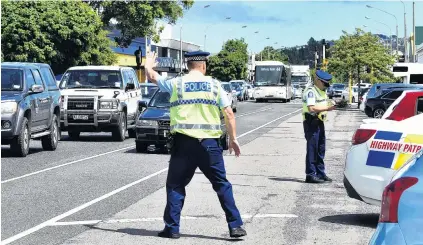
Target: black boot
{"points": [[237, 232], [314, 179], [326, 179], [166, 233]]}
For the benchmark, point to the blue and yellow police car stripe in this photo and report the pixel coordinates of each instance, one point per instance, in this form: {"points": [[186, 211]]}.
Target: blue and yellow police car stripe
{"points": [[392, 149]]}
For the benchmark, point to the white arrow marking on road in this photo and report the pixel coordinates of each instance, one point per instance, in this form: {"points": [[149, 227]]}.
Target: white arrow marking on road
{"points": [[83, 206]]}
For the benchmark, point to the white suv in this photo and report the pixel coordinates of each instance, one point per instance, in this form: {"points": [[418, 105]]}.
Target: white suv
{"points": [[99, 99]]}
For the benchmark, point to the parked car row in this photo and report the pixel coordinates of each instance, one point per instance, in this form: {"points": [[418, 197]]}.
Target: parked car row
{"points": [[87, 99], [384, 167]]}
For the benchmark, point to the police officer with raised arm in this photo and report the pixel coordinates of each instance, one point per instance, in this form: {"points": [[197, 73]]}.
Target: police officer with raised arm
{"points": [[315, 107], [196, 102]]}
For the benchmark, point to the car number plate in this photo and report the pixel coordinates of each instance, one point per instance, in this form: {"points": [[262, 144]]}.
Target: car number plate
{"points": [[269, 95], [80, 117]]}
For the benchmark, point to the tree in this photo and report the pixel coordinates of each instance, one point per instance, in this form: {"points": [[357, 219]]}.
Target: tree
{"points": [[231, 62], [269, 53], [62, 34], [354, 53], [138, 18]]}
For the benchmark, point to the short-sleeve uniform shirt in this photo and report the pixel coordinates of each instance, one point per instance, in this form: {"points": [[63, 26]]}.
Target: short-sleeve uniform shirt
{"points": [[168, 84], [310, 97]]}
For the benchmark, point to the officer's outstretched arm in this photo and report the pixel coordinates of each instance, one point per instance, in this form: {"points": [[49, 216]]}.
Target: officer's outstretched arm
{"points": [[317, 109]]}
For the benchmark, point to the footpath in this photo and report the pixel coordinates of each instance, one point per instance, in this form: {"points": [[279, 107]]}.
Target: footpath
{"points": [[268, 182]]}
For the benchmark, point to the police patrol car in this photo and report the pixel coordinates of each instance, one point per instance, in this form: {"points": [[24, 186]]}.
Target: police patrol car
{"points": [[378, 150]]}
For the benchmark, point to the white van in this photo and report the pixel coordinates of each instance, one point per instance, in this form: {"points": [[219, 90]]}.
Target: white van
{"points": [[408, 73]]}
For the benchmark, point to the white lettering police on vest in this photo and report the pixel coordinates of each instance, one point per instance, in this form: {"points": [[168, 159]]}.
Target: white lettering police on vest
{"points": [[197, 87]]}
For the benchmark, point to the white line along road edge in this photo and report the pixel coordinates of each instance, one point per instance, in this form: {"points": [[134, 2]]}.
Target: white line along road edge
{"points": [[85, 205], [102, 154]]}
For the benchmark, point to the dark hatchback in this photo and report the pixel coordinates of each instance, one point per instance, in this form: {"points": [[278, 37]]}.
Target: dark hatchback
{"points": [[376, 107], [153, 124]]}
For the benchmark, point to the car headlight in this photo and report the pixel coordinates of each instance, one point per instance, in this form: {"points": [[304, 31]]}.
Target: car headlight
{"points": [[147, 123], [8, 107], [108, 105]]}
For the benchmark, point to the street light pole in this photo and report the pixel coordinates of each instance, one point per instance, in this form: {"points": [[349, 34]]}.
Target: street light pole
{"points": [[390, 15], [181, 49], [405, 36], [414, 33]]}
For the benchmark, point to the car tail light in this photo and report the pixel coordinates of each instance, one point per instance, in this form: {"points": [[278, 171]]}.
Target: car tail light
{"points": [[391, 196], [362, 135]]}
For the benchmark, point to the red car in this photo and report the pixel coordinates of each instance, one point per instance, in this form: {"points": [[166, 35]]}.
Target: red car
{"points": [[409, 104]]}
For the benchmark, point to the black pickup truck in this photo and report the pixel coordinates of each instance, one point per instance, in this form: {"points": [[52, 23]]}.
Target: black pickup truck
{"points": [[30, 106], [153, 124]]}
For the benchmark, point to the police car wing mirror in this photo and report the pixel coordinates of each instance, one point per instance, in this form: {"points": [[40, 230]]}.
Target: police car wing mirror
{"points": [[130, 86], [142, 105]]}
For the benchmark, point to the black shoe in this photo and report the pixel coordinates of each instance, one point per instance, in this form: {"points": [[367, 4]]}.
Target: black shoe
{"points": [[166, 233], [326, 179], [237, 232], [314, 179]]}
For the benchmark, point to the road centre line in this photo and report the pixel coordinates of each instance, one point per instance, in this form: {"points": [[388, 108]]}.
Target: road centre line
{"points": [[98, 155], [114, 221], [85, 205], [65, 164]]}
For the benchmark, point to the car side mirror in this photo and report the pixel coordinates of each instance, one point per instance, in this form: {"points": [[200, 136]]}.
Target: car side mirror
{"points": [[130, 86], [35, 89], [142, 105]]}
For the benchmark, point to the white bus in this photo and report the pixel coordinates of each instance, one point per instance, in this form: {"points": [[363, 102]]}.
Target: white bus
{"points": [[408, 73], [272, 81]]}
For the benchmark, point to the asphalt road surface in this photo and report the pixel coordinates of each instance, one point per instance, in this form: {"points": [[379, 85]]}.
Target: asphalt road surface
{"points": [[76, 182]]}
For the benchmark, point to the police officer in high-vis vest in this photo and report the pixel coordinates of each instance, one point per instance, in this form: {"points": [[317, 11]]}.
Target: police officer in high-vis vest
{"points": [[315, 107], [196, 103]]}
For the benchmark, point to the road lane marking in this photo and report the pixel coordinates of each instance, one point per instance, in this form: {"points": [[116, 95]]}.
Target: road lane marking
{"points": [[65, 164], [77, 209], [114, 221], [99, 155], [264, 125], [83, 206], [249, 113]]}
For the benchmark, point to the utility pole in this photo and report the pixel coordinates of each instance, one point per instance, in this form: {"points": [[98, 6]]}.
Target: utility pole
{"points": [[414, 33], [181, 57], [146, 52], [405, 36]]}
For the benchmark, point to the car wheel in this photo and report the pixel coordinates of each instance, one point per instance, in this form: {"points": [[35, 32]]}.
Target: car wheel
{"points": [[119, 132], [74, 135], [141, 147], [378, 113], [20, 144], [49, 142]]}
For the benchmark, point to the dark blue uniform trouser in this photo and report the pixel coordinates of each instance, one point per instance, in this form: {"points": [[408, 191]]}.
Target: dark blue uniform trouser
{"points": [[187, 155], [314, 132]]}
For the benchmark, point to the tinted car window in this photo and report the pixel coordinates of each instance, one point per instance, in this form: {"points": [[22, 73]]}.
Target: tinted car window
{"points": [[393, 95], [420, 105], [226, 87], [49, 78], [37, 77], [160, 99], [416, 78], [11, 79], [29, 79], [148, 91]]}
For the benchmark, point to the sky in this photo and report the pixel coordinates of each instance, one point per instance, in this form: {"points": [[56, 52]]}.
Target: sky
{"points": [[289, 23]]}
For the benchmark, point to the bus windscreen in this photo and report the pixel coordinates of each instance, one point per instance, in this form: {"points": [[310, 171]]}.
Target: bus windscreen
{"points": [[268, 75]]}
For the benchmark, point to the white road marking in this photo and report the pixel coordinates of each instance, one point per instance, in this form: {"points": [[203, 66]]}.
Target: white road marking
{"points": [[77, 209], [264, 125], [65, 164], [83, 206], [114, 221], [249, 113]]}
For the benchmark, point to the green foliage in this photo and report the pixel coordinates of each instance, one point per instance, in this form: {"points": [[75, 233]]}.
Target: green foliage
{"points": [[138, 18], [231, 62], [60, 33], [355, 52], [269, 53]]}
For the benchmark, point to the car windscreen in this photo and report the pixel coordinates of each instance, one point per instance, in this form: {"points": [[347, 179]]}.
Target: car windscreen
{"points": [[11, 79], [235, 86], [160, 99], [148, 91], [227, 87], [338, 86], [91, 79]]}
